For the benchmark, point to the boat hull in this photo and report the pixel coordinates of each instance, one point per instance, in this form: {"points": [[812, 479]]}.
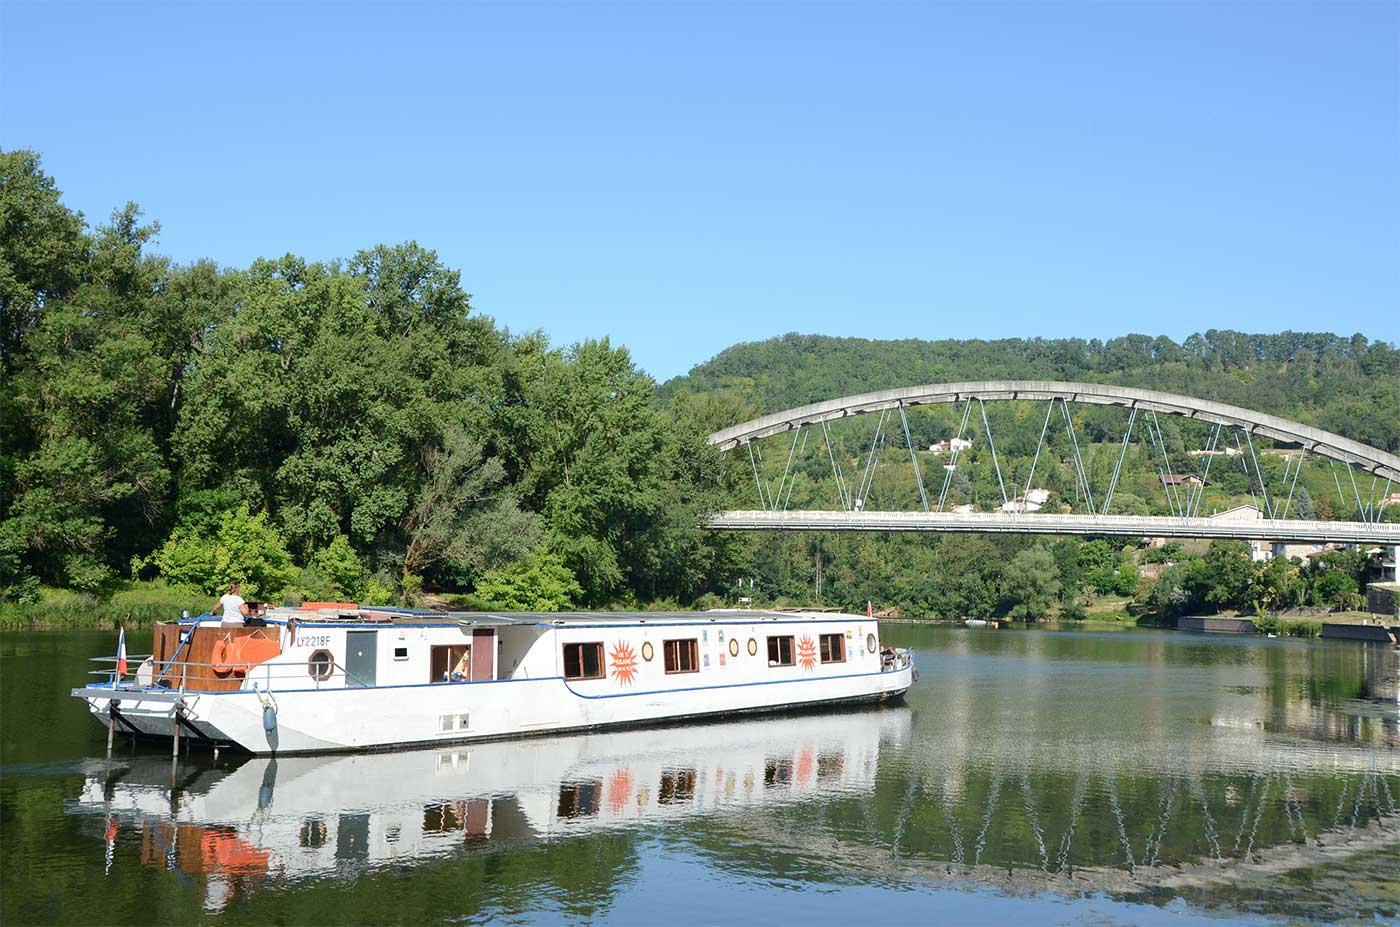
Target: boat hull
{"points": [[386, 717]]}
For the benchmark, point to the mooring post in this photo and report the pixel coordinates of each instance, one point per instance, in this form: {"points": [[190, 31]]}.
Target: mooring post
{"points": [[111, 723], [175, 741]]}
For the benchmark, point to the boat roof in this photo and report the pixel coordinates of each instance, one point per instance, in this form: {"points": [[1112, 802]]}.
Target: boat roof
{"points": [[347, 613]]}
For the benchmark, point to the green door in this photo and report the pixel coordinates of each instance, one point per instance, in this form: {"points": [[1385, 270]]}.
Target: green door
{"points": [[361, 657]]}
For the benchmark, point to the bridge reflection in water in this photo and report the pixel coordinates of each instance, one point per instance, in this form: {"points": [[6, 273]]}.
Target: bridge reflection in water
{"points": [[1232, 771]]}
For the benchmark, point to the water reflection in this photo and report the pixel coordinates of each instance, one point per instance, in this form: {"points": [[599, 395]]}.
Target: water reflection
{"points": [[1145, 767], [297, 816]]}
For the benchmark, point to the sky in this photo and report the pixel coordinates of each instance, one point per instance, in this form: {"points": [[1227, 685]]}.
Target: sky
{"points": [[680, 176]]}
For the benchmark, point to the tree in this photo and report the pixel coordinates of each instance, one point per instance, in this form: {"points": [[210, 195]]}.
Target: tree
{"points": [[1305, 508], [462, 514], [540, 583], [1031, 584], [1337, 590], [43, 250], [247, 550]]}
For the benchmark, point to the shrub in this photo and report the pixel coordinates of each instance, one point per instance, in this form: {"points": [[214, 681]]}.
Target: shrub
{"points": [[540, 583], [246, 550]]}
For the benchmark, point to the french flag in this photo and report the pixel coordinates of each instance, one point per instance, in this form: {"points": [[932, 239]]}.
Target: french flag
{"points": [[121, 653]]}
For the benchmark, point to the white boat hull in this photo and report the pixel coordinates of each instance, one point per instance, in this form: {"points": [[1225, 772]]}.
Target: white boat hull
{"points": [[343, 719]]}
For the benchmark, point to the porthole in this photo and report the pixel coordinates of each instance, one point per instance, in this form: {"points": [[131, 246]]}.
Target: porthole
{"points": [[320, 665], [870, 642], [647, 651], [734, 646], [753, 647]]}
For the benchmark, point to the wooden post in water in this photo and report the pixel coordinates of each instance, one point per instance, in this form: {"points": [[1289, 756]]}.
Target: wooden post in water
{"points": [[111, 723]]}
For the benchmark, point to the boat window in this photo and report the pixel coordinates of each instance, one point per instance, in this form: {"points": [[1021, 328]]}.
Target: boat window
{"points": [[320, 664], [400, 653], [677, 787], [682, 656], [451, 663], [833, 648], [780, 651], [579, 799], [583, 661]]}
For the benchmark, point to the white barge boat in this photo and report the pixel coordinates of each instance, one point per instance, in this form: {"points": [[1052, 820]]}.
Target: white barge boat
{"points": [[342, 678]]}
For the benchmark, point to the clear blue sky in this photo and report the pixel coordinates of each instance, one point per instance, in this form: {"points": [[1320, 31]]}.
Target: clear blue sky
{"points": [[682, 176]]}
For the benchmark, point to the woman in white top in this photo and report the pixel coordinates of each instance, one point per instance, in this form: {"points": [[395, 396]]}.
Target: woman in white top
{"points": [[235, 609]]}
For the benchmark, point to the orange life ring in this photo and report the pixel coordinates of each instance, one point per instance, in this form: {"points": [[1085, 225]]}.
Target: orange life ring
{"points": [[221, 657]]}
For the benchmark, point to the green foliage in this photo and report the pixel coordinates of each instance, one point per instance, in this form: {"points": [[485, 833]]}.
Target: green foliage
{"points": [[1032, 580], [134, 605], [247, 550], [1073, 610], [341, 567], [1167, 553], [541, 583]]}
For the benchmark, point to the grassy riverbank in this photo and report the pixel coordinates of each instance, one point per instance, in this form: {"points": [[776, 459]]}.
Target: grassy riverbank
{"points": [[136, 605]]}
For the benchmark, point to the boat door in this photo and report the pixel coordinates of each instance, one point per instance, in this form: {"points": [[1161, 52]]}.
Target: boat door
{"points": [[361, 657]]}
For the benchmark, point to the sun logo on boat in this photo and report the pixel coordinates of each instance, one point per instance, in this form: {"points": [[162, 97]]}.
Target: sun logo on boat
{"points": [[624, 663], [807, 653]]}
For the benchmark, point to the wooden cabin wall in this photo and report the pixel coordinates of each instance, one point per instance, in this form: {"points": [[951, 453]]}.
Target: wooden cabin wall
{"points": [[200, 649]]}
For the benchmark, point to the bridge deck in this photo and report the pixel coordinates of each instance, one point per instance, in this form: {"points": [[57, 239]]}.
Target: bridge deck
{"points": [[1282, 530]]}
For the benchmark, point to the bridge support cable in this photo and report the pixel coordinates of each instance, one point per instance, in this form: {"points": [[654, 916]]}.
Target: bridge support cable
{"points": [[842, 494], [913, 457], [1196, 498], [952, 465], [1263, 487], [1049, 408], [867, 478], [1249, 477], [1302, 455], [1167, 463], [758, 480], [786, 467], [1360, 508], [1078, 458], [1340, 493], [1118, 467], [793, 482], [991, 445], [1157, 447]]}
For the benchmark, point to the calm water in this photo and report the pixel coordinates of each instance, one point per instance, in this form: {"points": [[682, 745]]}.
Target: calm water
{"points": [[1041, 776]]}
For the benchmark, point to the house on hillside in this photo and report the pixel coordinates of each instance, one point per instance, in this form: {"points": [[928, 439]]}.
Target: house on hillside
{"points": [[1184, 479], [950, 446], [1030, 502], [1259, 551]]}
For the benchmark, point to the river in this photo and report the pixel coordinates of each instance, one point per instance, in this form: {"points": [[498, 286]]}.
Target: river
{"points": [[1032, 776]]}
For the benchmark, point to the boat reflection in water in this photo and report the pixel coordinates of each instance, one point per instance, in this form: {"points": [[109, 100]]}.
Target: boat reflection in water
{"points": [[307, 815]]}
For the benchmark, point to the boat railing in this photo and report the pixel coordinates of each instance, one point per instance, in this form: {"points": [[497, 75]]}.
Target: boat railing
{"points": [[260, 672], [902, 658]]}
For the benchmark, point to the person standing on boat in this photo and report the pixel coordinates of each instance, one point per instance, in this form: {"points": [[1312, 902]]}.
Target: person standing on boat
{"points": [[235, 609]]}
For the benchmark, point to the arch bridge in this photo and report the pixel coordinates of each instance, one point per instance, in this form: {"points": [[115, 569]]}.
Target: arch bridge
{"points": [[1231, 434]]}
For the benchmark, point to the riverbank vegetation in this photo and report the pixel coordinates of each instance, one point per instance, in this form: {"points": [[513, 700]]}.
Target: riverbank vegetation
{"points": [[357, 429]]}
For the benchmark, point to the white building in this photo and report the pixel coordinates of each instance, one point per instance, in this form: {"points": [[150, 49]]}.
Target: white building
{"points": [[952, 445]]}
